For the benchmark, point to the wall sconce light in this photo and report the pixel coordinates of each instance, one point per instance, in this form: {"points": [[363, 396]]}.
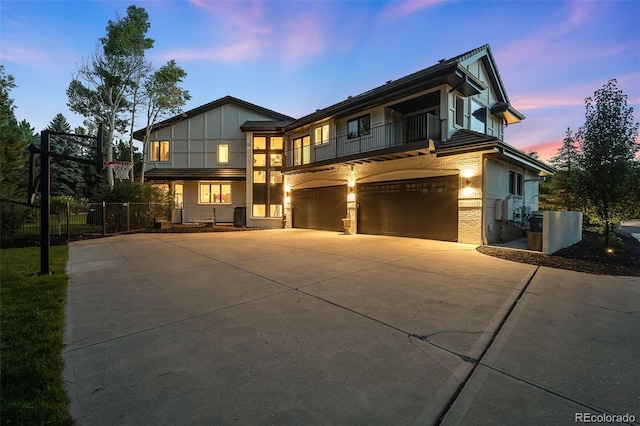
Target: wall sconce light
{"points": [[351, 183], [468, 182], [351, 197]]}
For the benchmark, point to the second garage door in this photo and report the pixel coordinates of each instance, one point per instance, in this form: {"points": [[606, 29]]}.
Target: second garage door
{"points": [[320, 208], [422, 208]]}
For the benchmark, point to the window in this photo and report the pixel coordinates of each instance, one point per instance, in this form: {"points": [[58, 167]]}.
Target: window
{"points": [[259, 142], [259, 176], [357, 127], [459, 111], [259, 210], [178, 195], [215, 193], [478, 117], [275, 177], [259, 160], [267, 188], [223, 153], [302, 150], [159, 151], [515, 183], [322, 134]]}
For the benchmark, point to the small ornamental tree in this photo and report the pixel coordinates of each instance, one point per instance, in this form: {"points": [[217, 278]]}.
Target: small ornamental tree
{"points": [[608, 146]]}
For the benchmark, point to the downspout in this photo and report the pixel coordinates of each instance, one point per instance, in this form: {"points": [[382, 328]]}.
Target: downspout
{"points": [[483, 235]]}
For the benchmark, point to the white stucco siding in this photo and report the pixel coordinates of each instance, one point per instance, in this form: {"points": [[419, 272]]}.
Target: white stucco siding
{"points": [[195, 140], [497, 188]]}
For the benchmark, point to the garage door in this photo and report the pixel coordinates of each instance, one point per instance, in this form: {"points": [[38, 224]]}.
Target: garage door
{"points": [[422, 208], [320, 208]]}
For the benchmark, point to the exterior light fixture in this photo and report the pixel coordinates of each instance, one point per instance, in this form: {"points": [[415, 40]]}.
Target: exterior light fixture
{"points": [[468, 183], [351, 197], [351, 183], [467, 173]]}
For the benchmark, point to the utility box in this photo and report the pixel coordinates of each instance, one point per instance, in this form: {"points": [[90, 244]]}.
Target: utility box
{"points": [[240, 217], [535, 223]]}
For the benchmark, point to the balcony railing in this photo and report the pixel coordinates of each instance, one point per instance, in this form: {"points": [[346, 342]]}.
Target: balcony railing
{"points": [[417, 128]]}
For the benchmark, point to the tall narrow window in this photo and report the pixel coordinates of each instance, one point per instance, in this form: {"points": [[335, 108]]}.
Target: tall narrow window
{"points": [[223, 153], [159, 151], [267, 176], [322, 134], [459, 111], [515, 183], [178, 195], [302, 150]]}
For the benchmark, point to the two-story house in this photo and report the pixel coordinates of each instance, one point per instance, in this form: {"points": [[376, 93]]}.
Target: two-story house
{"points": [[422, 156], [203, 157]]}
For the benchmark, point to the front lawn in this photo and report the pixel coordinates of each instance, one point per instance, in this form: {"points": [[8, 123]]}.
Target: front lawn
{"points": [[31, 338]]}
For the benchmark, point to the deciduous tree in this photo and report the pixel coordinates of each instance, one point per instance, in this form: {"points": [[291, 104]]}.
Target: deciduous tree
{"points": [[608, 146], [163, 97], [103, 85]]}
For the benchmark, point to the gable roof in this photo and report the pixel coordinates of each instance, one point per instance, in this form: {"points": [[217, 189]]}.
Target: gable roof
{"points": [[451, 71], [139, 134]]}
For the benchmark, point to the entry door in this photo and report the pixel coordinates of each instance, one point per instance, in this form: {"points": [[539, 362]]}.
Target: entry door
{"points": [[421, 208]]}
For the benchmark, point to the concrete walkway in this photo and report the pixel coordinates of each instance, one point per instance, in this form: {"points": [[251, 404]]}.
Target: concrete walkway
{"points": [[307, 327]]}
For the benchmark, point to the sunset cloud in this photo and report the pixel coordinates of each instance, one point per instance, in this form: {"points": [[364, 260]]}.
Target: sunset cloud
{"points": [[399, 9]]}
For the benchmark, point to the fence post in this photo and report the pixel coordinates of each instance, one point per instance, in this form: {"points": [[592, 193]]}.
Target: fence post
{"points": [[68, 219], [128, 218], [104, 218]]}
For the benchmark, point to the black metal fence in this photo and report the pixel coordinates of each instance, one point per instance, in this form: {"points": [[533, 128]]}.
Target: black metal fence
{"points": [[21, 221]]}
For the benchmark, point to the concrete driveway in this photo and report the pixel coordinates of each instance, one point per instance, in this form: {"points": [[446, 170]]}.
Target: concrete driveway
{"points": [[303, 327]]}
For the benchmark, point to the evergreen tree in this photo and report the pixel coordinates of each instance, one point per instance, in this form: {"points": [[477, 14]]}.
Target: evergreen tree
{"points": [[608, 145], [66, 175], [13, 158], [561, 188]]}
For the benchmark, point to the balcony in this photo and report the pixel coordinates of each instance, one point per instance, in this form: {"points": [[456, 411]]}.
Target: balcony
{"points": [[410, 134]]}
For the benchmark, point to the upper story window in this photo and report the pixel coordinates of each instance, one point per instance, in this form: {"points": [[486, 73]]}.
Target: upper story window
{"points": [[159, 151], [459, 111], [360, 126], [478, 117], [515, 183], [302, 150], [223, 153], [322, 134]]}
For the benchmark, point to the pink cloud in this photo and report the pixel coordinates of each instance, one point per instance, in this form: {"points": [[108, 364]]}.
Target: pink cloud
{"points": [[546, 150], [13, 52], [243, 50], [246, 15], [297, 45], [244, 32], [400, 9]]}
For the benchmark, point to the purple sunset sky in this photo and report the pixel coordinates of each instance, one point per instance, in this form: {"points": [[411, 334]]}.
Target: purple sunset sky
{"points": [[296, 57]]}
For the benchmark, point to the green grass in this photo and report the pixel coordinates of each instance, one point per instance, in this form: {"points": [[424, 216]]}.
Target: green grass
{"points": [[31, 338]]}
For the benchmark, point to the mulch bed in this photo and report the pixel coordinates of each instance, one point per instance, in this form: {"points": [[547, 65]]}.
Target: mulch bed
{"points": [[188, 228], [585, 256]]}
